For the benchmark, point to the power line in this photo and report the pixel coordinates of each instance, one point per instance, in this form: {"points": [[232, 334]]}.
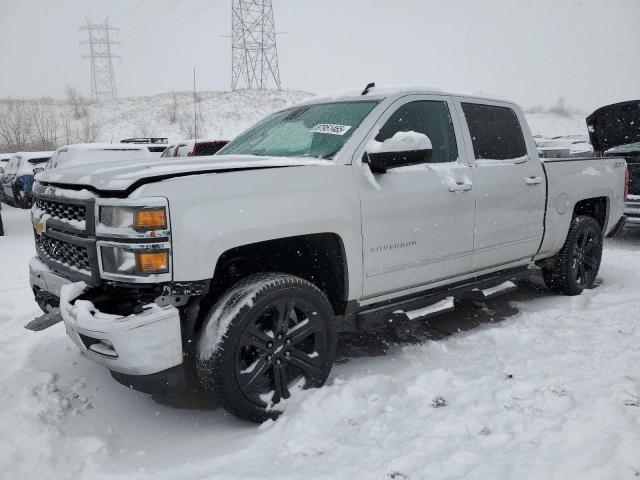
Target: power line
{"points": [[103, 80], [160, 46], [254, 54]]}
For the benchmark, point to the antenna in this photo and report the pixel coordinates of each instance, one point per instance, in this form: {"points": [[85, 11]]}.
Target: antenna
{"points": [[254, 54], [103, 79], [195, 108]]}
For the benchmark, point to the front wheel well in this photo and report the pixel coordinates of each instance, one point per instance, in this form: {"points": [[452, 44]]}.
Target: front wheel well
{"points": [[596, 208], [318, 258]]}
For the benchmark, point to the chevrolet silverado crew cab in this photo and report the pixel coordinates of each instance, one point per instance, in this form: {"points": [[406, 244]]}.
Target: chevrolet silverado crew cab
{"points": [[346, 212]]}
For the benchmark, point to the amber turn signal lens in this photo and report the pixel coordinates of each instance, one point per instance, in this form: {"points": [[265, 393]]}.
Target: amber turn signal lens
{"points": [[152, 219], [152, 262]]}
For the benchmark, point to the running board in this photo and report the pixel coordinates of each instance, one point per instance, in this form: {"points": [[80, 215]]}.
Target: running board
{"points": [[436, 302]]}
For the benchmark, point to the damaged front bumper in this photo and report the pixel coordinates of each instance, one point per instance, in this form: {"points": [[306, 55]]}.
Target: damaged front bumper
{"points": [[138, 344]]}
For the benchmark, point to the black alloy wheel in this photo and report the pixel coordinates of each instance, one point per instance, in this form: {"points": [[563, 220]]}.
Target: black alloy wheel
{"points": [[279, 347], [585, 259], [576, 266], [279, 337]]}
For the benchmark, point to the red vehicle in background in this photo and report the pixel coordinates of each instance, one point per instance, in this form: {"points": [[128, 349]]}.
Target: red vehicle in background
{"points": [[193, 148]]}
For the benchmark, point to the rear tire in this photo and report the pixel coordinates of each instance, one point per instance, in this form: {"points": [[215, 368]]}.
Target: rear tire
{"points": [[267, 336], [576, 265]]}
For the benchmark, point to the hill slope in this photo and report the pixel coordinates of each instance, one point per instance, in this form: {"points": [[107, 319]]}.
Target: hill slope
{"points": [[48, 123]]}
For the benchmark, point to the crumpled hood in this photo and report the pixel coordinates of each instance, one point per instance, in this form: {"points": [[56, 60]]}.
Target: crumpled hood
{"points": [[122, 176]]}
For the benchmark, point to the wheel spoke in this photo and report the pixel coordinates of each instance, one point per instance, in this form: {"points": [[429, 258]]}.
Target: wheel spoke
{"points": [[590, 262], [248, 379], [257, 338], [305, 363], [281, 389], [584, 238], [581, 275], [590, 246], [284, 309], [303, 330]]}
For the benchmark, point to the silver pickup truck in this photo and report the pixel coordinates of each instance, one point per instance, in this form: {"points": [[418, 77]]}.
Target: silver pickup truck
{"points": [[346, 212]]}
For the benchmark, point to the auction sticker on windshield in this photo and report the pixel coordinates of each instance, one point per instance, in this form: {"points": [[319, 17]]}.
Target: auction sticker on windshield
{"points": [[330, 128]]}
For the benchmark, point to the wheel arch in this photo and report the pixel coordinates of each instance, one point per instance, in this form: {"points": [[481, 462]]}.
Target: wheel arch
{"points": [[595, 207], [319, 258]]}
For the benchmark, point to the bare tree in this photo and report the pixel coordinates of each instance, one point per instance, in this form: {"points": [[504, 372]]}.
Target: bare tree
{"points": [[186, 123], [143, 129], [15, 124], [44, 123], [76, 101], [89, 130], [172, 109], [67, 132]]}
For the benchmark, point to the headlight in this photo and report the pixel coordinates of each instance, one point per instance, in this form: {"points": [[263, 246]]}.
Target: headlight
{"points": [[122, 260], [136, 218]]}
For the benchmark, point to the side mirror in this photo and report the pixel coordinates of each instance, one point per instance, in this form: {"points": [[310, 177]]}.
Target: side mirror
{"points": [[38, 170], [401, 150]]}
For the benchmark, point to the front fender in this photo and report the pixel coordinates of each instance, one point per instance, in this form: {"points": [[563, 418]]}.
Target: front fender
{"points": [[213, 213]]}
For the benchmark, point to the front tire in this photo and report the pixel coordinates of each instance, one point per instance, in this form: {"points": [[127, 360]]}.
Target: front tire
{"points": [[267, 336], [576, 265]]}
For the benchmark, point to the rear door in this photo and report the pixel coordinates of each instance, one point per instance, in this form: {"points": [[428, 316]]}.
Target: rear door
{"points": [[417, 221], [510, 184]]}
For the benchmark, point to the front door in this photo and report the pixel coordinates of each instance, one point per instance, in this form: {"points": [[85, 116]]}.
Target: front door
{"points": [[417, 221], [510, 185]]}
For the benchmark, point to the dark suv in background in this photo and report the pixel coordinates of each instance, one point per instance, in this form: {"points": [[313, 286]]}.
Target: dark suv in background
{"points": [[615, 131]]}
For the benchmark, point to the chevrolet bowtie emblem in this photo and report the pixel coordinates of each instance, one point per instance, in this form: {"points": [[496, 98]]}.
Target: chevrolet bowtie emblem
{"points": [[39, 226]]}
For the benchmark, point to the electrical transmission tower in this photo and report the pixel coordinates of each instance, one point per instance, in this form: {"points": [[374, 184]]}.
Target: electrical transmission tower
{"points": [[103, 79], [253, 45]]}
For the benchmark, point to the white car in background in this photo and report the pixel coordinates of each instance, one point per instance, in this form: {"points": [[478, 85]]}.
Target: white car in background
{"points": [[98, 153], [563, 146]]}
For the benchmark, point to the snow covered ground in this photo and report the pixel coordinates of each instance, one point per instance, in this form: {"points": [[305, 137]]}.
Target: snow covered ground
{"points": [[530, 385]]}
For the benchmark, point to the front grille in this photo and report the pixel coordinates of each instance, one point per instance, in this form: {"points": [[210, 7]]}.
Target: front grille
{"points": [[68, 254], [63, 211]]}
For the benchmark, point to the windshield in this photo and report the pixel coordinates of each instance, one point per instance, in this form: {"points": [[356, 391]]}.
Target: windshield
{"points": [[307, 131]]}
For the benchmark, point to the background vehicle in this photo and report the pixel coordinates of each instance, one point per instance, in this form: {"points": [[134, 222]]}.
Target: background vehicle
{"points": [[17, 179], [4, 159], [191, 148], [156, 145], [615, 131], [97, 153], [563, 146], [347, 212]]}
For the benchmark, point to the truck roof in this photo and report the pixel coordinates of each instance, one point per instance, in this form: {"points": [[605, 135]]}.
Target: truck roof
{"points": [[386, 91]]}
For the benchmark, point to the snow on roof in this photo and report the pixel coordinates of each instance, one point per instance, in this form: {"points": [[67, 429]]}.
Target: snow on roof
{"points": [[104, 146], [384, 91], [29, 155]]}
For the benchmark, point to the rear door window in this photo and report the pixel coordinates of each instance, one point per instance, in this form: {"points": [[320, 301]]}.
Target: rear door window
{"points": [[495, 132]]}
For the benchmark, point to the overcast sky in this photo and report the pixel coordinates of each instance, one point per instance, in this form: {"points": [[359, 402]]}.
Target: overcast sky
{"points": [[530, 51]]}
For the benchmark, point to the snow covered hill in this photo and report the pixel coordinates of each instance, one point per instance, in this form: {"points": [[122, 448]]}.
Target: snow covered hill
{"points": [[221, 115], [225, 114]]}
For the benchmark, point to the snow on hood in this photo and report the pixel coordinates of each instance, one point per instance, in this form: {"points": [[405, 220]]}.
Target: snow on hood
{"points": [[120, 176]]}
